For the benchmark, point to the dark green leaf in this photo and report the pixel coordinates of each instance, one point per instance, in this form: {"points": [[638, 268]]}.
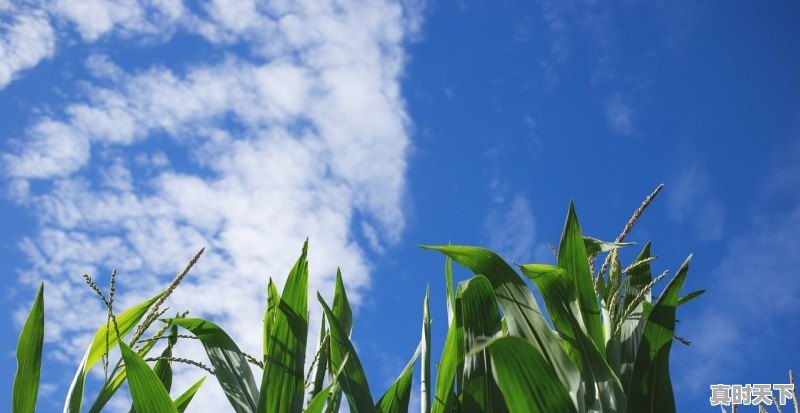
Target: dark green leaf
{"points": [[602, 390], [651, 389], [231, 368], [353, 381], [480, 320], [572, 257], [523, 316], [526, 382], [689, 297]]}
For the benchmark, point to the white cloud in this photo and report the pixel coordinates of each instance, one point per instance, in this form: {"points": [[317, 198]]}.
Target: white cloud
{"points": [[25, 40], [247, 156]]}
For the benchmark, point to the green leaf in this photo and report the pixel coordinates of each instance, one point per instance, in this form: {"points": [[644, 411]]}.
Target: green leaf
{"points": [[147, 392], [231, 368], [282, 383], [651, 389], [395, 400], [525, 381], [523, 316], [341, 305], [29, 358], [321, 363], [624, 344], [317, 403], [451, 295], [342, 311], [595, 246], [118, 376], [450, 366], [353, 381], [481, 321], [425, 348], [689, 297], [602, 389], [163, 368], [182, 402], [572, 257], [125, 323], [270, 314]]}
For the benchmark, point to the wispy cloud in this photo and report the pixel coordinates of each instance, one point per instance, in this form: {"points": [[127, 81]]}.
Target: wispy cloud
{"points": [[510, 226], [247, 155], [752, 291], [691, 201], [619, 116], [752, 298]]}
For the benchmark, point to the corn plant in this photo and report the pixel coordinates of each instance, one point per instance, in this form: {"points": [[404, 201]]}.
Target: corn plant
{"points": [[602, 346]]}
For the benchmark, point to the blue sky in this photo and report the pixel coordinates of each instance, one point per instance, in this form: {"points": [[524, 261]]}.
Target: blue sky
{"points": [[133, 133]]}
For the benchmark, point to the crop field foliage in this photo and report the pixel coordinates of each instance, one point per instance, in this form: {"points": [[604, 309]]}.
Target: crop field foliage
{"points": [[601, 344]]}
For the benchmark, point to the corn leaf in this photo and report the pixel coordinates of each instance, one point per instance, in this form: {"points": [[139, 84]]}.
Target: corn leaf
{"points": [[650, 389], [572, 257], [353, 381], [270, 313], [321, 363], [481, 321], [450, 366], [451, 295], [126, 321], [230, 366], [29, 358], [342, 311], [282, 383], [396, 398], [595, 246], [147, 391], [526, 382], [690, 297], [163, 368], [117, 377], [182, 402], [317, 403], [110, 387], [624, 344], [602, 389], [425, 348], [523, 316]]}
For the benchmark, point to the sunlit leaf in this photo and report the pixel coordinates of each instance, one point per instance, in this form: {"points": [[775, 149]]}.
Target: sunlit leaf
{"points": [[29, 358]]}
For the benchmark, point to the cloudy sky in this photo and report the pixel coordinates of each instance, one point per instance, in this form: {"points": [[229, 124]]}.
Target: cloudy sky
{"points": [[135, 132]]}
